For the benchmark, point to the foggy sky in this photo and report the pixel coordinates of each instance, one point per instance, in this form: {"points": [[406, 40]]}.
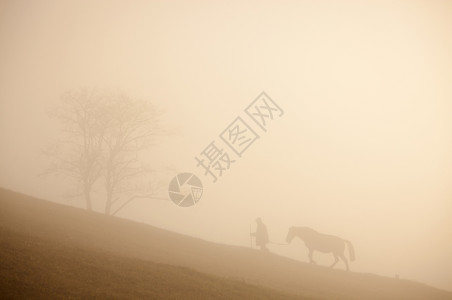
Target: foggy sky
{"points": [[363, 150]]}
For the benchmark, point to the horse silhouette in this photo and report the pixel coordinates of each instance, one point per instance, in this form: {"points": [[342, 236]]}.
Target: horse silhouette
{"points": [[322, 242]]}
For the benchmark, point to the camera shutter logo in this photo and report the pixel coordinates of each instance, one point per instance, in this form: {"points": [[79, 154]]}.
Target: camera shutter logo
{"points": [[185, 189]]}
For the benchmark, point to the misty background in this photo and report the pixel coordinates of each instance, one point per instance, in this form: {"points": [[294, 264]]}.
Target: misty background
{"points": [[363, 151]]}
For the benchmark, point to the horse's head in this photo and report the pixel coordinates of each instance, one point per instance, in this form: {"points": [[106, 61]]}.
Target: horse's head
{"points": [[290, 235], [301, 232]]}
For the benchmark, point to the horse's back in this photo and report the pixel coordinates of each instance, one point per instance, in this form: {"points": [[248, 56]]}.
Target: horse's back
{"points": [[328, 243]]}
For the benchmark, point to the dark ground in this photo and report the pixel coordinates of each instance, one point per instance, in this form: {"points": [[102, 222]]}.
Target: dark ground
{"points": [[53, 251]]}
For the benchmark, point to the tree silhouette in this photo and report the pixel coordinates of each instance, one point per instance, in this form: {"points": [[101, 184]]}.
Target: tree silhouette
{"points": [[104, 134]]}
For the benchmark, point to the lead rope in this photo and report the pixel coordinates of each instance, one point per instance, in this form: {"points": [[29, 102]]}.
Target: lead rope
{"points": [[281, 244]]}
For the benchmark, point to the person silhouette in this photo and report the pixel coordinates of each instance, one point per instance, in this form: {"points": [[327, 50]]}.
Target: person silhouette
{"points": [[261, 235]]}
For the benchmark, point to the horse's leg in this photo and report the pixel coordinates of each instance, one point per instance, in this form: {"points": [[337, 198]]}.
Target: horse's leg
{"points": [[310, 256], [336, 259], [345, 260]]}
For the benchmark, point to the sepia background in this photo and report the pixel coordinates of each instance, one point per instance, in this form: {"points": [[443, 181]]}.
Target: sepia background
{"points": [[363, 150]]}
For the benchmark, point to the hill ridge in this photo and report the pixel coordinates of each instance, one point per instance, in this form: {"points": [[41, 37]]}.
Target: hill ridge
{"points": [[89, 230]]}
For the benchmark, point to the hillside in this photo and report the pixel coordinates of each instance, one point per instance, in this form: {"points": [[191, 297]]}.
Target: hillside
{"points": [[47, 248], [39, 268]]}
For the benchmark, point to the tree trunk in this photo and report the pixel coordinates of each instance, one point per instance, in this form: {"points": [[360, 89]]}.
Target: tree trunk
{"points": [[108, 206], [109, 200], [87, 197]]}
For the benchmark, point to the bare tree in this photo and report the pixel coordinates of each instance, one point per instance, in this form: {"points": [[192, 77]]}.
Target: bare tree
{"points": [[131, 128], [104, 135], [77, 154]]}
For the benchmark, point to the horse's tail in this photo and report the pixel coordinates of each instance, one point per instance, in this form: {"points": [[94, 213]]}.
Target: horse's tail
{"points": [[351, 250]]}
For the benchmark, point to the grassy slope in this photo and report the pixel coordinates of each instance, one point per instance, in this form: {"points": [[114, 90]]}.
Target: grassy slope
{"points": [[39, 268], [84, 235]]}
